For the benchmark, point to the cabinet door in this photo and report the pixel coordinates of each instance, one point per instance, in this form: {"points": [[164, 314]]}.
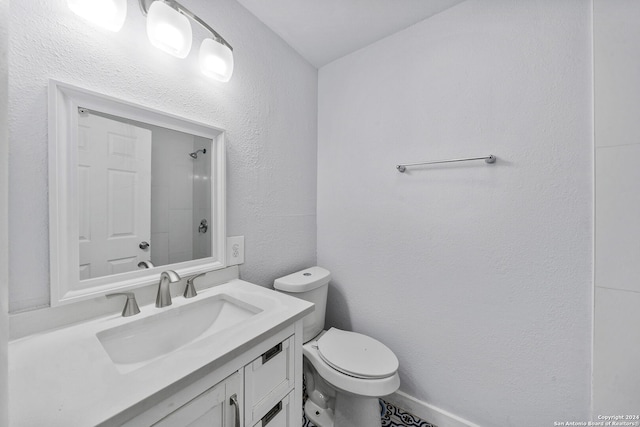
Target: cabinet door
{"points": [[213, 408]]}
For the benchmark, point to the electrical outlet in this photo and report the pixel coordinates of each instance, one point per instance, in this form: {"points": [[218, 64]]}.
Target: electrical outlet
{"points": [[235, 250]]}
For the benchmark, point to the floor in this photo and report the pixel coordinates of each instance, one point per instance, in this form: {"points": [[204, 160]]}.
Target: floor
{"points": [[396, 417], [390, 417]]}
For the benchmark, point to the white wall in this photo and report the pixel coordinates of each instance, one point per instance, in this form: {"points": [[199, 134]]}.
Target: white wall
{"points": [[478, 276], [616, 377], [269, 109], [4, 186]]}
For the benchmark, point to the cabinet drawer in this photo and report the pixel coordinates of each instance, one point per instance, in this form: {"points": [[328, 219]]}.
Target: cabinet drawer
{"points": [[268, 379], [281, 415]]}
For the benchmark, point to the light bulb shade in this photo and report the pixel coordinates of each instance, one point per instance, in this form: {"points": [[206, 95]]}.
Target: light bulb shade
{"points": [[216, 60], [168, 29], [109, 14]]}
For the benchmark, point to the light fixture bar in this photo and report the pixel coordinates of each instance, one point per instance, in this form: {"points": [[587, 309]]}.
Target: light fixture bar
{"points": [[145, 4]]}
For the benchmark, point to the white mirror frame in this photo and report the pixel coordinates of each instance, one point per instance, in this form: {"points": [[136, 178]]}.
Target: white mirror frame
{"points": [[66, 287]]}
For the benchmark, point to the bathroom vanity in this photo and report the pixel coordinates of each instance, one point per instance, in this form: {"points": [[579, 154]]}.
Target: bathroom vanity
{"points": [[231, 356]]}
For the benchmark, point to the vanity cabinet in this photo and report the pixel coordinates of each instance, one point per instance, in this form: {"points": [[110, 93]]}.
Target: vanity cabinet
{"points": [[67, 377], [261, 391], [218, 406], [268, 379]]}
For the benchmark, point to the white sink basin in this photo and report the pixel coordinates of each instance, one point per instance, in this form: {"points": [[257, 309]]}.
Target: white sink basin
{"points": [[138, 342]]}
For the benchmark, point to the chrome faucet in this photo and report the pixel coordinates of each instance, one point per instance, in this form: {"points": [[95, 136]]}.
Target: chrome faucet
{"points": [[164, 292], [131, 306], [190, 290]]}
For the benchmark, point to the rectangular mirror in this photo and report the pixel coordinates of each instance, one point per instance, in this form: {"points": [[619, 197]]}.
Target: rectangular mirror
{"points": [[133, 192]]}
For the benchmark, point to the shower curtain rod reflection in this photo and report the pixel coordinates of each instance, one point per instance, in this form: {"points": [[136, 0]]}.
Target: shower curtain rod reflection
{"points": [[489, 159]]}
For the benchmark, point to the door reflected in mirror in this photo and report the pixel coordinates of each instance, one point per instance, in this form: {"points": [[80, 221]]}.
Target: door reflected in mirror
{"points": [[132, 192], [144, 195]]}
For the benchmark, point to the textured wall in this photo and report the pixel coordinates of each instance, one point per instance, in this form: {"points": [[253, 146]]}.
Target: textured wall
{"points": [[479, 277], [616, 377], [269, 109]]}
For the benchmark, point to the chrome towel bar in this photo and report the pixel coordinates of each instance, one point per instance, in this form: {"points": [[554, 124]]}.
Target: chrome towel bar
{"points": [[489, 159]]}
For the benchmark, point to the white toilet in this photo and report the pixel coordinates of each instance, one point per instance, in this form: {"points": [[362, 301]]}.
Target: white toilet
{"points": [[345, 372]]}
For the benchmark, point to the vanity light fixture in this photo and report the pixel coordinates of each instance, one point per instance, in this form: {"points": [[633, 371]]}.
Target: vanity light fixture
{"points": [[109, 14], [216, 60], [169, 30]]}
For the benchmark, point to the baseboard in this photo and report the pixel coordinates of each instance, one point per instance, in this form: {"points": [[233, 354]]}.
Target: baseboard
{"points": [[427, 412]]}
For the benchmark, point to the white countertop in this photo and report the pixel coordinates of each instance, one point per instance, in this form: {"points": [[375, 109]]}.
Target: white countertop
{"points": [[65, 378]]}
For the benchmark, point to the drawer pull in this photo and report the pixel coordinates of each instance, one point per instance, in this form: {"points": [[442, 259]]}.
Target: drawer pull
{"points": [[271, 353], [234, 401], [271, 414]]}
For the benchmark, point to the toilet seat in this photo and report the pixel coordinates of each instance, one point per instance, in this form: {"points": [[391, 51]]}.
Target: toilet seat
{"points": [[356, 355], [367, 387]]}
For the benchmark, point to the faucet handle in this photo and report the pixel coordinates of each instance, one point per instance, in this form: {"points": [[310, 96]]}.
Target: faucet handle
{"points": [[190, 290], [131, 306]]}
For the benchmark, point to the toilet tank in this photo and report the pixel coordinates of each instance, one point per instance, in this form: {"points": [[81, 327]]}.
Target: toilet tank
{"points": [[310, 285]]}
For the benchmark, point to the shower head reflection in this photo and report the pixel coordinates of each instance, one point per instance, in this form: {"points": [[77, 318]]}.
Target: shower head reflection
{"points": [[194, 155]]}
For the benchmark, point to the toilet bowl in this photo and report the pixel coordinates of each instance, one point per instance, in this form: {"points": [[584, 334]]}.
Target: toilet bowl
{"points": [[345, 372]]}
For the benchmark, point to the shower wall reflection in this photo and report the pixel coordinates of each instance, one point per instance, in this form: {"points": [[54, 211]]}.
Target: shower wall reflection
{"points": [[179, 188]]}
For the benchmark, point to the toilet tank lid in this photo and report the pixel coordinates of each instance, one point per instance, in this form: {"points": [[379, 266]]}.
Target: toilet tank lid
{"points": [[303, 281]]}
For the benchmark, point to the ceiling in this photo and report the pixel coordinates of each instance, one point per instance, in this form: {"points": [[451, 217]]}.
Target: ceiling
{"points": [[325, 30]]}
